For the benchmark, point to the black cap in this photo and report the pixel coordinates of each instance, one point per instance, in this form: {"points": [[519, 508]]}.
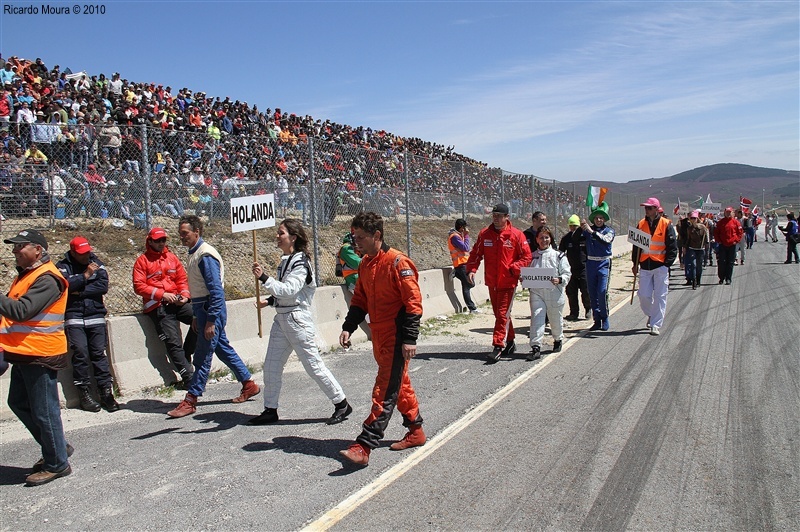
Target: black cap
{"points": [[501, 208], [461, 223], [28, 235]]}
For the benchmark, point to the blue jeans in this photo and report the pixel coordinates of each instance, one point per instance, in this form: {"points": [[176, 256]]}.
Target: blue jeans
{"points": [[693, 261], [597, 272], [205, 350], [33, 397]]}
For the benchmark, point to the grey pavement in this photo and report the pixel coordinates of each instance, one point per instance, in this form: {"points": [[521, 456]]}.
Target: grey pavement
{"points": [[693, 429]]}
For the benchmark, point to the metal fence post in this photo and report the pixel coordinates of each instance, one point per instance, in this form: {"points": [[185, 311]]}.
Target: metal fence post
{"points": [[408, 205], [502, 186], [463, 193], [148, 215], [314, 225]]}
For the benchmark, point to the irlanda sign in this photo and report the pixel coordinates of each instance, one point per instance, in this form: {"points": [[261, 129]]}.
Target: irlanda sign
{"points": [[639, 238], [537, 277], [252, 212]]}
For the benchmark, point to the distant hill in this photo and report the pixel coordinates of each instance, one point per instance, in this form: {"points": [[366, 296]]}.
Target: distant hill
{"points": [[724, 181]]}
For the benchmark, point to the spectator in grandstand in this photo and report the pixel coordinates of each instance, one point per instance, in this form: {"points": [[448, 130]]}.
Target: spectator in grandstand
{"points": [[109, 137], [33, 155], [505, 250]]}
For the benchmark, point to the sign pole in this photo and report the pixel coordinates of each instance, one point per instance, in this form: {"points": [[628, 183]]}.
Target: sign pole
{"points": [[633, 289], [258, 287]]}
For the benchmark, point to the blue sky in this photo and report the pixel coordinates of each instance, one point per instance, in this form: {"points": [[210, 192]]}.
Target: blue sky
{"points": [[563, 90]]}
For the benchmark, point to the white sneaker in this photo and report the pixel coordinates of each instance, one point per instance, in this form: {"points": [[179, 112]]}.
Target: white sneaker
{"points": [[654, 331], [476, 311]]}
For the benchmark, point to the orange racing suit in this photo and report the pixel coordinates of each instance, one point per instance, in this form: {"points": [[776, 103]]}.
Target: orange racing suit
{"points": [[387, 290]]}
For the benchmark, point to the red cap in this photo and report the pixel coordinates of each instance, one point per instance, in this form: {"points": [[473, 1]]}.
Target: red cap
{"points": [[80, 245], [156, 233]]}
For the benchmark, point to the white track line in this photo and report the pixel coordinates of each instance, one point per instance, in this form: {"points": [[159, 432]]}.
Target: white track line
{"points": [[341, 510]]}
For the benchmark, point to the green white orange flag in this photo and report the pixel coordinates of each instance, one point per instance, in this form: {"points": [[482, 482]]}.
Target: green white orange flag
{"points": [[595, 196]]}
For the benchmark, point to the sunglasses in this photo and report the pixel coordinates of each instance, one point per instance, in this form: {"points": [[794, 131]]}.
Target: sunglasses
{"points": [[160, 241]]}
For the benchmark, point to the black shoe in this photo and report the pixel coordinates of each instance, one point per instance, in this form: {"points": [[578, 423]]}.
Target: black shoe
{"points": [[694, 285], [40, 463], [509, 350], [728, 281], [341, 412], [557, 346], [87, 401], [535, 354], [571, 317], [269, 415], [597, 325], [107, 400], [687, 283], [720, 281], [495, 355], [788, 262]]}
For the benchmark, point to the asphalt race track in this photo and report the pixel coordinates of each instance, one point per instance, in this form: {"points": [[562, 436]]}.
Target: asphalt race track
{"points": [[695, 429]]}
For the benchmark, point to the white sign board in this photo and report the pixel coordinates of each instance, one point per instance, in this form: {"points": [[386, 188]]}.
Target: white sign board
{"points": [[537, 277], [638, 238], [252, 212], [712, 208], [683, 208]]}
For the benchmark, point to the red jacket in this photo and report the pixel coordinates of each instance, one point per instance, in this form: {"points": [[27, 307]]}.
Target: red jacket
{"points": [[155, 273], [728, 232], [505, 252]]}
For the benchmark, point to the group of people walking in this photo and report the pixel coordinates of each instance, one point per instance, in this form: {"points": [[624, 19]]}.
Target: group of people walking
{"points": [[52, 309]]}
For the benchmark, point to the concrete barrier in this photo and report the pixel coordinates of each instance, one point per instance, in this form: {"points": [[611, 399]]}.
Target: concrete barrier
{"points": [[138, 357]]}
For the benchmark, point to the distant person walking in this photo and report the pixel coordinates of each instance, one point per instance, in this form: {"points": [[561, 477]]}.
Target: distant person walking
{"points": [[574, 245], [599, 239], [791, 232], [458, 244], [728, 234], [696, 241]]}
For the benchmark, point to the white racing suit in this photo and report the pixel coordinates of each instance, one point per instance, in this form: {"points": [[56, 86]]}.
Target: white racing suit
{"points": [[293, 329], [548, 301]]}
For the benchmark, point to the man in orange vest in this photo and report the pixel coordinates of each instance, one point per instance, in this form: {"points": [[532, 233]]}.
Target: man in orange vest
{"points": [[458, 243], [653, 265], [32, 336]]}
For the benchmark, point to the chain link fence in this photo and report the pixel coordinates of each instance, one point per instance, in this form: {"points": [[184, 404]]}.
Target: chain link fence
{"points": [[112, 183]]}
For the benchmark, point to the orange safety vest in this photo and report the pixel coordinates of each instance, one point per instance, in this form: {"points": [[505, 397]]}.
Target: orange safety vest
{"points": [[456, 255], [43, 334], [658, 241]]}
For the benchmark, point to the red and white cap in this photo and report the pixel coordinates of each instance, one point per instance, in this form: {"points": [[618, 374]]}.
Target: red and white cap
{"points": [[156, 233], [80, 245]]}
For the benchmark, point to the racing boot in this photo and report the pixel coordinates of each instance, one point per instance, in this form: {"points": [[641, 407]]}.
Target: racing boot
{"points": [[415, 437]]}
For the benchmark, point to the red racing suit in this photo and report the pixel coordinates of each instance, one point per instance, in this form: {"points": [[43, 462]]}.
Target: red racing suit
{"points": [[387, 290], [155, 273], [504, 252]]}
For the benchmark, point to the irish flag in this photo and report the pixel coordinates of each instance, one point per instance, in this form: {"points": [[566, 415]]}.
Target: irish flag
{"points": [[595, 196]]}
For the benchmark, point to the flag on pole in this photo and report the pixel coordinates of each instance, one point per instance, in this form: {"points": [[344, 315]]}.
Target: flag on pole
{"points": [[708, 199], [677, 207], [595, 196], [745, 204]]}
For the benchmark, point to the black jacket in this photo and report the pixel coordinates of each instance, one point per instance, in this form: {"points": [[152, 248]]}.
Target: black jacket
{"points": [[85, 295], [574, 245]]}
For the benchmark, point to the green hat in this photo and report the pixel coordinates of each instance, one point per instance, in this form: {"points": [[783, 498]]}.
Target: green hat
{"points": [[601, 210], [574, 220]]}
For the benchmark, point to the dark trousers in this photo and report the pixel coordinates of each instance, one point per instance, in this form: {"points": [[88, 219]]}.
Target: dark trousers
{"points": [[88, 345], [578, 282], [466, 286], [791, 250], [726, 256], [167, 320], [693, 260]]}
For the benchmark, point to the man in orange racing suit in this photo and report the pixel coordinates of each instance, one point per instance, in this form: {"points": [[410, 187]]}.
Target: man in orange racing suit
{"points": [[387, 290]]}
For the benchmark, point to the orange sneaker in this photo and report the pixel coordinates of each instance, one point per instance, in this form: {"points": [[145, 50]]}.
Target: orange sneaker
{"points": [[356, 453], [249, 389], [415, 437], [186, 407]]}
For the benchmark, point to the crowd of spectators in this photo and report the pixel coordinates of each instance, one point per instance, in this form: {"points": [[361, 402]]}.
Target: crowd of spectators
{"points": [[77, 144]]}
